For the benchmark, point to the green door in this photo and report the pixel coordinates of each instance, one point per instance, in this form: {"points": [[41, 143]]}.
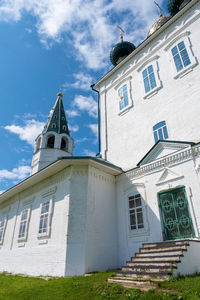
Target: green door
{"points": [[177, 222]]}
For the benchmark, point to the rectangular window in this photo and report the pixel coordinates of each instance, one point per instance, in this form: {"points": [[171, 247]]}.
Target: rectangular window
{"points": [[44, 218], [23, 224], [160, 131], [123, 96], [2, 229], [136, 212], [149, 79], [181, 57]]}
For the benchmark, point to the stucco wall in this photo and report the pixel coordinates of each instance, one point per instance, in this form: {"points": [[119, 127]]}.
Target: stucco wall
{"points": [[36, 255], [127, 137], [149, 186]]}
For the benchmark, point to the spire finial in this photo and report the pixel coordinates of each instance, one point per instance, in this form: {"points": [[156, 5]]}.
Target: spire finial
{"points": [[60, 91], [121, 32], [159, 8]]}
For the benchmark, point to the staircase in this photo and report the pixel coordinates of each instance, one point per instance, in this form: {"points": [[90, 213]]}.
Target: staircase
{"points": [[154, 262]]}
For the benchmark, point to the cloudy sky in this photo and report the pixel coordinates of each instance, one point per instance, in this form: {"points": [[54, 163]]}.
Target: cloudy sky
{"points": [[49, 43]]}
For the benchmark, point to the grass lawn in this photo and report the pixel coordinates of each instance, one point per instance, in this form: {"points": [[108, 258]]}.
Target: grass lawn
{"points": [[94, 287]]}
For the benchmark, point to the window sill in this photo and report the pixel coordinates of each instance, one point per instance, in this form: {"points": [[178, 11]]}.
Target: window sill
{"points": [[138, 232], [43, 235], [23, 239], [185, 71], [125, 109], [151, 93]]}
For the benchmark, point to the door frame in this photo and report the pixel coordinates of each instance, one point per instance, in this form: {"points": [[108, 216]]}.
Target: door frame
{"points": [[189, 211]]}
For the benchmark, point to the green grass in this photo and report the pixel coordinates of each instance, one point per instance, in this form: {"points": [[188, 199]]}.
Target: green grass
{"points": [[94, 287]]}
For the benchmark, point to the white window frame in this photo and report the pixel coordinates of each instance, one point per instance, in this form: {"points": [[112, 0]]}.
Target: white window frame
{"points": [[47, 233], [131, 190], [127, 82], [4, 228], [134, 209], [154, 62], [24, 238], [185, 38]]}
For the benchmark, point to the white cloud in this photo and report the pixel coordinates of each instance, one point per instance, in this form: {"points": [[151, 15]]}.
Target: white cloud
{"points": [[2, 191], [72, 113], [81, 140], [89, 153], [28, 132], [82, 81], [16, 174], [90, 24], [73, 128], [94, 128], [87, 104]]}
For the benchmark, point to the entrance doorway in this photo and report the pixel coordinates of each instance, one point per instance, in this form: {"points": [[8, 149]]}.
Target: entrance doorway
{"points": [[175, 214]]}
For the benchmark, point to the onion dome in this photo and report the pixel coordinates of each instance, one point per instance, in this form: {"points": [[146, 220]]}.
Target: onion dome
{"points": [[175, 5], [158, 24], [121, 51]]}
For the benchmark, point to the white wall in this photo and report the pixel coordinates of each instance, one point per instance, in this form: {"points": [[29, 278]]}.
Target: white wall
{"points": [[149, 186], [127, 137], [102, 231], [37, 256], [92, 230]]}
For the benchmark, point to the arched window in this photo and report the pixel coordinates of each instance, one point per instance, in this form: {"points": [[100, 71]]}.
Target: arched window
{"points": [[160, 131], [38, 144], [64, 127], [53, 125], [55, 117], [50, 141], [64, 144]]}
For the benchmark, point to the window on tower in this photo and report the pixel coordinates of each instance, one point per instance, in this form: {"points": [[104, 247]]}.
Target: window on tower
{"points": [[180, 56], [149, 79], [160, 131], [123, 97], [64, 144], [53, 125], [50, 141]]}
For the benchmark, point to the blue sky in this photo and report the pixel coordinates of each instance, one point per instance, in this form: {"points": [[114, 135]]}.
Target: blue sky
{"points": [[49, 43]]}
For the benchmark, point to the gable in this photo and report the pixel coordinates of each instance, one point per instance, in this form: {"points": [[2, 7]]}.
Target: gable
{"points": [[167, 176], [163, 148]]}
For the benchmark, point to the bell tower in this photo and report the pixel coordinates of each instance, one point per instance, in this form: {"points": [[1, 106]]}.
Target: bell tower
{"points": [[55, 140]]}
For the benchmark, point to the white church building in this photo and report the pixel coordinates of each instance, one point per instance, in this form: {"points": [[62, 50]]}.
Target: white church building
{"points": [[76, 215]]}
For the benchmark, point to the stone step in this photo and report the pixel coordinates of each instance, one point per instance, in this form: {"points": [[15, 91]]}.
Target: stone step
{"points": [[127, 277], [150, 264], [166, 244], [127, 283], [160, 254], [163, 249], [168, 258], [144, 275], [153, 269]]}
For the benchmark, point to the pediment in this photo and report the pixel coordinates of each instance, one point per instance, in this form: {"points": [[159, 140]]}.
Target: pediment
{"points": [[162, 149], [167, 176]]}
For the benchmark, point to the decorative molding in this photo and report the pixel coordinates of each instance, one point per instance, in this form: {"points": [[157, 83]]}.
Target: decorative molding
{"points": [[49, 192], [177, 38], [170, 160], [28, 201], [168, 176], [122, 81], [156, 57]]}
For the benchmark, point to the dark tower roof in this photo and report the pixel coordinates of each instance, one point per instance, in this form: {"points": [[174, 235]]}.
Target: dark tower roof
{"points": [[57, 121], [121, 51], [175, 5]]}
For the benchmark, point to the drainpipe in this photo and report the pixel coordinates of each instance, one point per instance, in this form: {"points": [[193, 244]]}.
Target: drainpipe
{"points": [[99, 128]]}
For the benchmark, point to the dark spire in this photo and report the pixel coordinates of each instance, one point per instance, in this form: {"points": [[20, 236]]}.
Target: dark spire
{"points": [[57, 121]]}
